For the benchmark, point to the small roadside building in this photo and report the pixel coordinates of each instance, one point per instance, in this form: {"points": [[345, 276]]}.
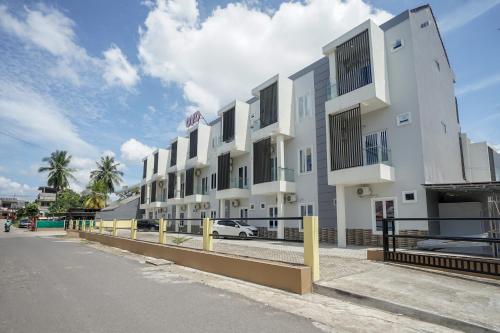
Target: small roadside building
{"points": [[125, 209]]}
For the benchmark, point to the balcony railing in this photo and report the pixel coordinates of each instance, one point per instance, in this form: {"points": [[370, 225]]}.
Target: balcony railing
{"points": [[377, 154], [238, 183], [255, 124], [216, 141], [331, 90], [282, 174]]}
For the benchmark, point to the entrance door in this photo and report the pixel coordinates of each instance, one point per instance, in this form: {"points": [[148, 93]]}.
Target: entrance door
{"points": [[382, 208], [181, 222], [273, 212]]}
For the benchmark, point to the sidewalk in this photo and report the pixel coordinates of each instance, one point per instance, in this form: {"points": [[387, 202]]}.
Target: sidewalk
{"points": [[434, 296]]}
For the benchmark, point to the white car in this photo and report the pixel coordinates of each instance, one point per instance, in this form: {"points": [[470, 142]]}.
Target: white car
{"points": [[233, 228]]}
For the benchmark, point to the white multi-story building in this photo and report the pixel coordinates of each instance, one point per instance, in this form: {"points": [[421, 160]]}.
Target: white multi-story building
{"points": [[354, 137]]}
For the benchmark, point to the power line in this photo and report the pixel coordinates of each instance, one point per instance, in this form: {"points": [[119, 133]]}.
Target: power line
{"points": [[12, 136]]}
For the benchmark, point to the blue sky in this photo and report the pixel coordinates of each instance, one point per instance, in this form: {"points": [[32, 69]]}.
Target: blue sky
{"points": [[112, 77]]}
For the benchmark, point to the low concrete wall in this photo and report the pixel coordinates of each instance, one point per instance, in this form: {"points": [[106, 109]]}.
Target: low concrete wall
{"points": [[293, 278]]}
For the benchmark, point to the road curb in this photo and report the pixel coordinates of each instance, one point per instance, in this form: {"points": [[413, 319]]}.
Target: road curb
{"points": [[396, 308]]}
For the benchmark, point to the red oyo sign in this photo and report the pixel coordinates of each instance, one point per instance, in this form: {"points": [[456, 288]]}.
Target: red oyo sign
{"points": [[193, 119]]}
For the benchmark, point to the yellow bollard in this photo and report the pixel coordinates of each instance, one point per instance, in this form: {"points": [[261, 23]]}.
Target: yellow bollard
{"points": [[160, 231], [100, 226], [114, 228], [133, 229], [311, 245], [207, 234]]}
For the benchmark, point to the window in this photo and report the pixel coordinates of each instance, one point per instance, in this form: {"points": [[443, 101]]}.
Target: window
{"points": [[382, 208], [213, 184], [403, 119], [305, 160], [424, 24], [397, 45], [204, 185], [242, 177], [262, 205], [155, 163], [409, 196], [213, 214], [273, 212], [305, 210], [252, 206], [303, 106], [376, 148], [144, 168]]}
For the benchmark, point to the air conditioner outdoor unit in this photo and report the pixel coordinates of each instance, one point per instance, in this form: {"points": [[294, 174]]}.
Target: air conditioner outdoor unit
{"points": [[197, 207], [291, 198], [183, 207], [206, 205], [197, 172], [235, 203], [364, 191]]}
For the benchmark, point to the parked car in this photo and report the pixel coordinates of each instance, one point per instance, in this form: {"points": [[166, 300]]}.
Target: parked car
{"points": [[148, 225], [233, 228], [24, 223]]}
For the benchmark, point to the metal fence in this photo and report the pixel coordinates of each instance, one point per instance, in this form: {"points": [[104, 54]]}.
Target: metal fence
{"points": [[461, 253]]}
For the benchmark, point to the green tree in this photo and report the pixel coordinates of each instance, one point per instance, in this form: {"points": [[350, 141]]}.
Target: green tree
{"points": [[65, 200], [58, 169], [107, 172], [31, 209], [97, 196]]}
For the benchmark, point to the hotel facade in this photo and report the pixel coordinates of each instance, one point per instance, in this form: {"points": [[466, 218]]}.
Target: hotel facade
{"points": [[358, 135]]}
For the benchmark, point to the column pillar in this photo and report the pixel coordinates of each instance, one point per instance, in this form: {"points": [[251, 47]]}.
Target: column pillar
{"points": [[280, 202], [280, 155], [341, 216]]}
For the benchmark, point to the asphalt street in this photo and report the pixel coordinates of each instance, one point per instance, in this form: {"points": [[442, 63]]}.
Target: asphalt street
{"points": [[54, 285]]}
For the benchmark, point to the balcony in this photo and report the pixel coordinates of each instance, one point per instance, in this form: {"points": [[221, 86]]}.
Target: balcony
{"points": [[376, 168], [282, 181], [177, 199], [199, 195], [275, 102], [238, 188], [358, 70]]}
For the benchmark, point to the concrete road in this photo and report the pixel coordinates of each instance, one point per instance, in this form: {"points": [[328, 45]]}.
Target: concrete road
{"points": [[54, 285]]}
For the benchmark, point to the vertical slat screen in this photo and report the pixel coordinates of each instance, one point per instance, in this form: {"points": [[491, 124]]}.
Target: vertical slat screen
{"points": [[173, 154], [346, 143], [153, 191], [223, 171], [171, 185], [193, 143], [353, 64], [228, 125], [143, 194], [262, 161], [190, 181], [155, 164], [269, 105]]}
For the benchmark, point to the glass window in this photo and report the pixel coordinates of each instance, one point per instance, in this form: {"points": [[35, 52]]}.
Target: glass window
{"points": [[305, 210], [303, 106], [384, 208], [305, 160]]}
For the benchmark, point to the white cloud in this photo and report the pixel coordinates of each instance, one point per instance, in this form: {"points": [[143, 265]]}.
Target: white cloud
{"points": [[134, 151], [117, 69], [108, 153], [11, 187], [479, 85], [240, 46], [38, 119], [465, 13]]}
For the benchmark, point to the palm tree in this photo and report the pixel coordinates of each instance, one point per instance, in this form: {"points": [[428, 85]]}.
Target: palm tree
{"points": [[59, 170], [97, 196], [107, 171]]}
